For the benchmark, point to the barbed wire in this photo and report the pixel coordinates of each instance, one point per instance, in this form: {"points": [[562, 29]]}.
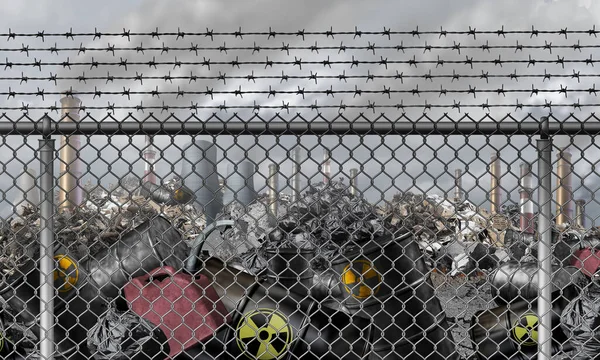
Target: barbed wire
{"points": [[284, 77], [194, 107], [301, 92], [210, 33], [297, 62], [286, 47]]}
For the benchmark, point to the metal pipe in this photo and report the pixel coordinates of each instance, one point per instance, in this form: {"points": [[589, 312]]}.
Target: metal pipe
{"points": [[149, 159], [564, 194], [354, 181], [458, 194], [544, 301], [495, 190], [326, 166], [47, 345], [525, 191], [296, 171], [70, 194], [580, 212], [273, 187]]}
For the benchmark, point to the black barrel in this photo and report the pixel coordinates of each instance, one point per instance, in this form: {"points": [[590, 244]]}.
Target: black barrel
{"points": [[270, 322], [387, 280], [291, 268], [514, 282], [85, 287], [510, 331]]}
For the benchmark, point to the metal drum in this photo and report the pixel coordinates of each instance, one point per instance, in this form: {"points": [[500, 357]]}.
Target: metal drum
{"points": [[510, 331], [291, 268], [270, 322], [386, 280], [513, 282], [84, 287]]}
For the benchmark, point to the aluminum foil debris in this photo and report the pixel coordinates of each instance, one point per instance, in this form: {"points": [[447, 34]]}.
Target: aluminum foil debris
{"points": [[580, 320]]}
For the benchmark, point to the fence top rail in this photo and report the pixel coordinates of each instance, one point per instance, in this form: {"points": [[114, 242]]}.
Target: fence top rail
{"points": [[400, 127]]}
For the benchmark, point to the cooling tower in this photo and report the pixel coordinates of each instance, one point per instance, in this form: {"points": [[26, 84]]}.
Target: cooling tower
{"points": [[326, 166], [240, 183], [199, 174], [70, 194], [27, 193], [564, 194], [149, 160]]}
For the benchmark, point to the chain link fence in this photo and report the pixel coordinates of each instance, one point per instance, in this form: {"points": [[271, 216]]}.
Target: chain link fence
{"points": [[296, 222]]}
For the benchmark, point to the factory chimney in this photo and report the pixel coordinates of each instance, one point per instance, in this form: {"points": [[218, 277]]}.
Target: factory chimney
{"points": [[564, 195], [580, 213], [458, 193], [495, 191], [70, 193], [354, 181], [296, 171], [326, 165], [526, 190], [273, 182], [149, 158]]}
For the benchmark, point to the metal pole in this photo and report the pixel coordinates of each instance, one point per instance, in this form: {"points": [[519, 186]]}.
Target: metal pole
{"points": [[47, 345], [544, 146]]}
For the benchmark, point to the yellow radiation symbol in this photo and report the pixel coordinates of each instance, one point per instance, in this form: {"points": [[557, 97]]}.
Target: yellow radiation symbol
{"points": [[66, 274], [361, 279], [178, 195], [264, 334], [525, 330], [1, 342]]}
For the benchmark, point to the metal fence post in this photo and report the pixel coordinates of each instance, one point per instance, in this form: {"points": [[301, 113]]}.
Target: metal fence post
{"points": [[47, 344], [544, 302]]}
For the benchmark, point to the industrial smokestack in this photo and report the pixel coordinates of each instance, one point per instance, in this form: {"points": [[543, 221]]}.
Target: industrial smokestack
{"points": [[150, 158], [222, 185], [580, 213], [70, 193], [296, 171], [564, 195], [326, 165], [526, 190], [273, 188], [240, 184], [495, 191], [354, 181], [28, 194], [458, 193], [199, 174]]}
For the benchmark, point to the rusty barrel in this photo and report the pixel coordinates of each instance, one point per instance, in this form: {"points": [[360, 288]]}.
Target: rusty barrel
{"points": [[386, 281]]}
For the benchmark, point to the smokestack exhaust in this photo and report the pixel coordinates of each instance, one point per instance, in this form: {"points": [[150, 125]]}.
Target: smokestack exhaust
{"points": [[273, 187], [150, 158], [296, 171], [326, 166], [525, 190], [580, 213], [458, 193], [354, 182], [495, 191], [564, 195], [70, 193]]}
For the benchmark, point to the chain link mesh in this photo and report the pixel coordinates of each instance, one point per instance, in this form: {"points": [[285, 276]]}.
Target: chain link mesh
{"points": [[297, 227]]}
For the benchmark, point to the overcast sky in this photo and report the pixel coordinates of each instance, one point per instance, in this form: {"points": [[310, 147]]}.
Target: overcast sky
{"points": [[421, 164]]}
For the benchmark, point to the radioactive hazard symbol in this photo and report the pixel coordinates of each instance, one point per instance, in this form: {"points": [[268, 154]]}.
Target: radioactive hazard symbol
{"points": [[361, 279], [66, 274], [264, 334], [1, 342], [525, 330]]}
